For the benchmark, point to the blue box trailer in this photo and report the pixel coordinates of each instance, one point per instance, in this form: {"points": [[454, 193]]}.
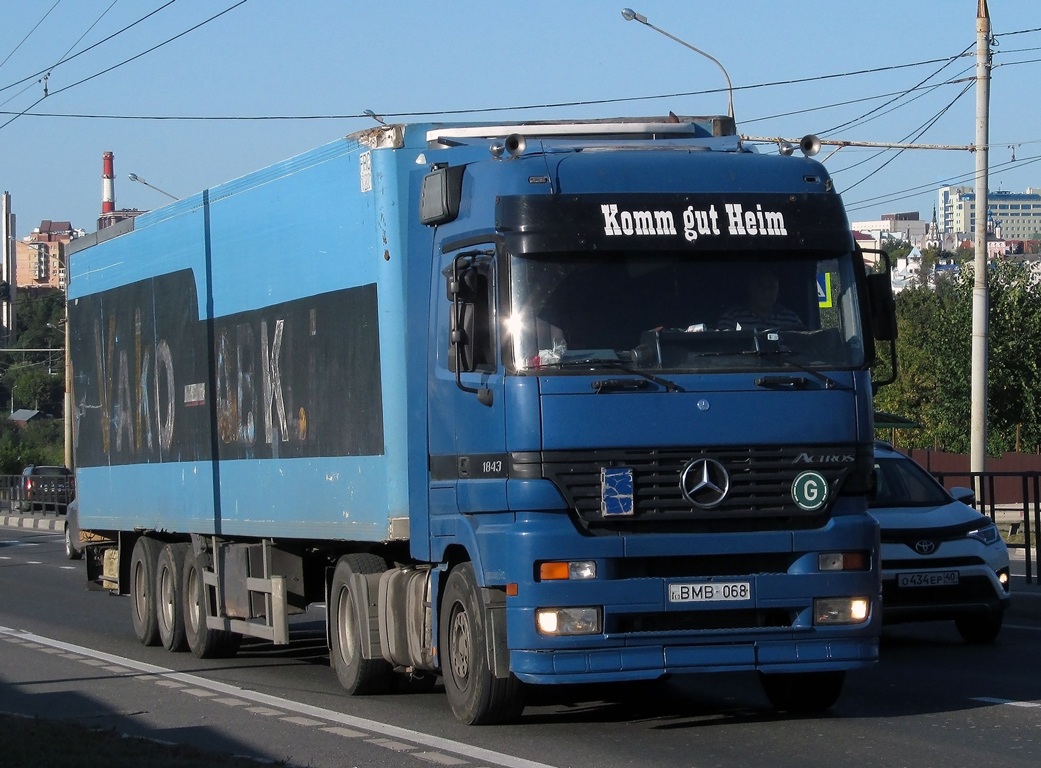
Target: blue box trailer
{"points": [[535, 403]]}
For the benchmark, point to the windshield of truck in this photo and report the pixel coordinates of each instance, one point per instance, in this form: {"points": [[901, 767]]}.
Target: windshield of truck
{"points": [[678, 312]]}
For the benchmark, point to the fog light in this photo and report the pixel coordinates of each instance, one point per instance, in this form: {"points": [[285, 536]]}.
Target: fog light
{"points": [[843, 561], [582, 569], [1003, 578], [568, 621], [840, 610]]}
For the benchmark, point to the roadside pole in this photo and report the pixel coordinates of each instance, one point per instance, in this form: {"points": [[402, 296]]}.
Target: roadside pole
{"points": [[980, 297]]}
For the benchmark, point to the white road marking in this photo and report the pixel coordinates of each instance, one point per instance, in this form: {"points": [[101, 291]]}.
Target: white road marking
{"points": [[1008, 702], [437, 757], [1020, 626], [373, 726], [231, 702], [302, 721], [397, 746], [265, 711], [344, 732]]}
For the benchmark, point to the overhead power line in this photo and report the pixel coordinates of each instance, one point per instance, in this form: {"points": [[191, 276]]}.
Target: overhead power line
{"points": [[65, 59], [29, 33], [126, 61]]}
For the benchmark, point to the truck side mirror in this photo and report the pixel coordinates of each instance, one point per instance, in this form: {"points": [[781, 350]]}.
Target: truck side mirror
{"points": [[440, 195], [882, 306]]}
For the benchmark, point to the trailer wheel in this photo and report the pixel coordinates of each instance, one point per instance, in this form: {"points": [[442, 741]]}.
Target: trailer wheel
{"points": [[142, 590], [476, 695], [803, 692], [169, 611], [204, 643], [358, 676]]}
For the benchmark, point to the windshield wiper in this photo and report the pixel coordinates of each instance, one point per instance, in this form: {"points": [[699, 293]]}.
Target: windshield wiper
{"points": [[620, 365], [765, 345]]}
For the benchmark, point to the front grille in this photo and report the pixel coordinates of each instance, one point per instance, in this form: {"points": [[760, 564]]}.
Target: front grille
{"points": [[971, 589], [760, 481], [932, 562], [700, 566], [689, 621]]}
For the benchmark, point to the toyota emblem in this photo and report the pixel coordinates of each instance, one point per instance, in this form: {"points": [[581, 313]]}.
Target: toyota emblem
{"points": [[705, 483], [925, 547]]}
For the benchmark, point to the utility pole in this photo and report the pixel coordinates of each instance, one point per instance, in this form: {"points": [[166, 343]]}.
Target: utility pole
{"points": [[8, 272], [980, 296]]}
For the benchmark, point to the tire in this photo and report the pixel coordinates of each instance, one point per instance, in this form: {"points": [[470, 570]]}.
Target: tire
{"points": [[979, 629], [142, 590], [803, 692], [169, 602], [358, 676], [477, 697], [70, 547], [203, 642]]}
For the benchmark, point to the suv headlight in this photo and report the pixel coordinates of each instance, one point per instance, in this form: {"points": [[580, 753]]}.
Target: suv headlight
{"points": [[988, 534]]}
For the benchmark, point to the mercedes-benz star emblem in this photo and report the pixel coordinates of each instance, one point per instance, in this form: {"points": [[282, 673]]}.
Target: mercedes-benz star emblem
{"points": [[705, 483], [925, 547]]}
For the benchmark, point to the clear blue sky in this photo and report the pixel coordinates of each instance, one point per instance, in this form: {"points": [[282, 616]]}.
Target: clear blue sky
{"points": [[337, 57]]}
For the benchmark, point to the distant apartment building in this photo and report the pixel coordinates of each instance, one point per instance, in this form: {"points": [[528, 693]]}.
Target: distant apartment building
{"points": [[1016, 214], [907, 227], [41, 256]]}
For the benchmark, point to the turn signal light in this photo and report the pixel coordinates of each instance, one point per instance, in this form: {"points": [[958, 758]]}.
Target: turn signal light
{"points": [[843, 561], [582, 569]]}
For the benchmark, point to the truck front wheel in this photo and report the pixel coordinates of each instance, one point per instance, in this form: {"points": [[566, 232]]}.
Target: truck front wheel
{"points": [[358, 676], [142, 590], [476, 695], [803, 692], [169, 600]]}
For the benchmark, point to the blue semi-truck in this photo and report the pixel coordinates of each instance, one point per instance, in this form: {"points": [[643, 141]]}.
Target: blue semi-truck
{"points": [[524, 404]]}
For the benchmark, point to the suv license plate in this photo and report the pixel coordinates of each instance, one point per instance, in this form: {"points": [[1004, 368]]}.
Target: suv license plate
{"points": [[928, 579], [710, 592]]}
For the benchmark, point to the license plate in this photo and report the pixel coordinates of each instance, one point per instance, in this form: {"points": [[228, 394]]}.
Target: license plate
{"points": [[710, 592], [928, 579]]}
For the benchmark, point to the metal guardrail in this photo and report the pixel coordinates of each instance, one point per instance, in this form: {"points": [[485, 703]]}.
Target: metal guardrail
{"points": [[47, 497], [1030, 502]]}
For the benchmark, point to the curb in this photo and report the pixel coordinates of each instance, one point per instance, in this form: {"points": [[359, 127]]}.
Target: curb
{"points": [[36, 523]]}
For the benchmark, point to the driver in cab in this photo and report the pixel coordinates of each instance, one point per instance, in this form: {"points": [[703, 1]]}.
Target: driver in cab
{"points": [[760, 309]]}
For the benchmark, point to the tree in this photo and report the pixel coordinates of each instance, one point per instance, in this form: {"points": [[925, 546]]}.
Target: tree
{"points": [[934, 352]]}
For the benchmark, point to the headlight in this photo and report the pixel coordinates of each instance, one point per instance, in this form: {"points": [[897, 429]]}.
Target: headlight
{"points": [[840, 610], [568, 621], [988, 534]]}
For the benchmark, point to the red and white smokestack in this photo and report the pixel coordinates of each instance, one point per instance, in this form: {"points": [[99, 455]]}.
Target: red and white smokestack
{"points": [[108, 186]]}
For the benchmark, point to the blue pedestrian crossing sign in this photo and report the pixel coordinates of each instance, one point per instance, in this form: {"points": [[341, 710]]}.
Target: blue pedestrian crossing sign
{"points": [[824, 289]]}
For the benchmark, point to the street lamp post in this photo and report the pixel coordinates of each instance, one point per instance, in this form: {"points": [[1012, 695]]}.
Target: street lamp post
{"points": [[630, 15], [139, 180]]}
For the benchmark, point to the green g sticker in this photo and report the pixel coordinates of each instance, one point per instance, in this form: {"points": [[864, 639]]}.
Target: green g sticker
{"points": [[810, 490]]}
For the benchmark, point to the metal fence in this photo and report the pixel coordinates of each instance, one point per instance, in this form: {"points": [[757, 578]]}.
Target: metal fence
{"points": [[49, 494], [1023, 515]]}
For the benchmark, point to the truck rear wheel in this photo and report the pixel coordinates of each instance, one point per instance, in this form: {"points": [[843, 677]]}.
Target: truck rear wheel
{"points": [[358, 676], [142, 590], [204, 643], [476, 695], [169, 610], [803, 692]]}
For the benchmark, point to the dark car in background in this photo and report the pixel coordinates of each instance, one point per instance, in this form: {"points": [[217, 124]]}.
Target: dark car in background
{"points": [[941, 559], [45, 488]]}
